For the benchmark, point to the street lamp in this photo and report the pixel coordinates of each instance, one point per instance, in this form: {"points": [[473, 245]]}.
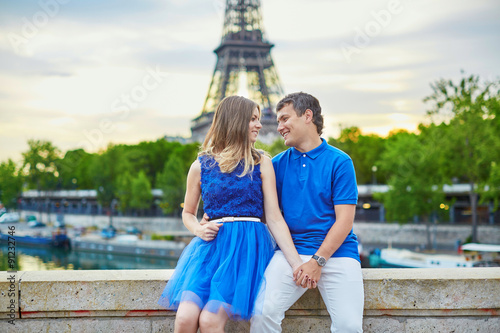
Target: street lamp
{"points": [[112, 207], [374, 175], [84, 206], [47, 204]]}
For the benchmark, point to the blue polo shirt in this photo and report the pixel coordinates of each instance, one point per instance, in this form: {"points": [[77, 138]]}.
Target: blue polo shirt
{"points": [[309, 186]]}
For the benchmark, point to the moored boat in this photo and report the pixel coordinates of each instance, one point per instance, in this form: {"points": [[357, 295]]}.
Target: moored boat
{"points": [[57, 238], [474, 255], [482, 255]]}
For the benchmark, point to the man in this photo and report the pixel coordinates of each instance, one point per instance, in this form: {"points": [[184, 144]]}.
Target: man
{"points": [[317, 193]]}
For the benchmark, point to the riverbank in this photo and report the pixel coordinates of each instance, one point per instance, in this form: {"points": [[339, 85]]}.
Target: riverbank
{"points": [[443, 236]]}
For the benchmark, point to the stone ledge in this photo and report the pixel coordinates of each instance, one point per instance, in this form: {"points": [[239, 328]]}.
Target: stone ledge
{"points": [[440, 288], [51, 299], [139, 290]]}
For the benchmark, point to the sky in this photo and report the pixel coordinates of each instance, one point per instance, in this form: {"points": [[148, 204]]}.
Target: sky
{"points": [[83, 74]]}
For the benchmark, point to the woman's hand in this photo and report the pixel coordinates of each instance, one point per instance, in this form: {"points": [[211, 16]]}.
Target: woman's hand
{"points": [[296, 267], [307, 275], [207, 230]]}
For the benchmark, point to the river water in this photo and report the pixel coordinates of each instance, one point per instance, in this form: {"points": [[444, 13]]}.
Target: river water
{"points": [[41, 259]]}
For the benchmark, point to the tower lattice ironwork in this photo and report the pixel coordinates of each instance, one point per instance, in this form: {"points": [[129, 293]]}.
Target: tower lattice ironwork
{"points": [[244, 62]]}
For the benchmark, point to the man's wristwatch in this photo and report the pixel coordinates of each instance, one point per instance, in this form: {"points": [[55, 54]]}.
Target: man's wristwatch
{"points": [[320, 260]]}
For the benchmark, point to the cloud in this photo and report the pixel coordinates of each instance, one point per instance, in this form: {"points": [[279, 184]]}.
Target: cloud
{"points": [[381, 123], [381, 82], [92, 53], [13, 64]]}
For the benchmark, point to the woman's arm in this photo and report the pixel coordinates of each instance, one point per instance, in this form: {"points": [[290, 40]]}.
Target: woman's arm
{"points": [[275, 221], [205, 230]]}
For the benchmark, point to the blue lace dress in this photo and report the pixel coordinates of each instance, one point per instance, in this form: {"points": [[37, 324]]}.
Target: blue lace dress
{"points": [[227, 272]]}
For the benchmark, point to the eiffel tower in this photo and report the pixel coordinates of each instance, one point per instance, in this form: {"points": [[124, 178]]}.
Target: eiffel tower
{"points": [[243, 61]]}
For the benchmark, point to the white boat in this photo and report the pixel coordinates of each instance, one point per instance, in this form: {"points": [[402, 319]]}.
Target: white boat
{"points": [[474, 255], [482, 255]]}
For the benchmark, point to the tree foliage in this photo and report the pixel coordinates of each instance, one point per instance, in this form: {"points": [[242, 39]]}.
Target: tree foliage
{"points": [[490, 189], [365, 151], [172, 181], [415, 188], [469, 139], [39, 164], [124, 190], [103, 171], [10, 184], [460, 144], [469, 135], [141, 196], [274, 148], [74, 170]]}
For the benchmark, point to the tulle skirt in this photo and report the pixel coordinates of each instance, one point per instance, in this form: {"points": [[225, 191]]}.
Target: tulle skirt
{"points": [[227, 272]]}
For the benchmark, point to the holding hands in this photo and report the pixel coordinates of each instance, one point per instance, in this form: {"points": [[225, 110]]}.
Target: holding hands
{"points": [[307, 275], [207, 230]]}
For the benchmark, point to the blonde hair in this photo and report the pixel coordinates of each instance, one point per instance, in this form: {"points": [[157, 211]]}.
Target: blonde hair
{"points": [[228, 137]]}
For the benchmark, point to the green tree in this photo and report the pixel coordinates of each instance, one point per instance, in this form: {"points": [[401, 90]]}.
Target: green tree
{"points": [[364, 150], [490, 189], [187, 154], [172, 181], [74, 170], [274, 148], [124, 190], [132, 158], [39, 165], [103, 174], [469, 143], [141, 195], [415, 188], [157, 154], [11, 183]]}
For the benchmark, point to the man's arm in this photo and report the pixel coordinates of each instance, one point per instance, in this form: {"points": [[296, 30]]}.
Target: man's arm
{"points": [[333, 240]]}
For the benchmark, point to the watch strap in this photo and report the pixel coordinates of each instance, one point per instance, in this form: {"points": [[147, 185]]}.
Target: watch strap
{"points": [[320, 260]]}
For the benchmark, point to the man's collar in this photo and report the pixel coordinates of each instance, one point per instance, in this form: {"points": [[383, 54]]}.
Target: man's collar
{"points": [[312, 153]]}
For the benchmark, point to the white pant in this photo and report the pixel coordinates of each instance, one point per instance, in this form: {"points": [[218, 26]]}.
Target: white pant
{"points": [[340, 285]]}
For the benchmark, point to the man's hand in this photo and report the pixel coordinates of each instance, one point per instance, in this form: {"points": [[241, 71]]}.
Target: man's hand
{"points": [[307, 275], [207, 230]]}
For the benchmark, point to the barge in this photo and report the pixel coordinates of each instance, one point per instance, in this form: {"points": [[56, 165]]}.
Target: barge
{"points": [[57, 239]]}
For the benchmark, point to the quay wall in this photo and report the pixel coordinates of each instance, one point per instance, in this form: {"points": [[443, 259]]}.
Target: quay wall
{"points": [[444, 235], [396, 300]]}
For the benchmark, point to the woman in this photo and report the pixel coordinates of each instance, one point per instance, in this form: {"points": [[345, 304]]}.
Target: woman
{"points": [[221, 271]]}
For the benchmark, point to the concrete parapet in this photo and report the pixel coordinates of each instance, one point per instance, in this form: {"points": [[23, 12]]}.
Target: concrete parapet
{"points": [[396, 300]]}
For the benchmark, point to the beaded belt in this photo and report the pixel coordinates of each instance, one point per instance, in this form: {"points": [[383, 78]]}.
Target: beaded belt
{"points": [[235, 218]]}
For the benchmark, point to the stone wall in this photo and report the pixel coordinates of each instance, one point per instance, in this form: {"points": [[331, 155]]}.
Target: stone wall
{"points": [[396, 300], [416, 234]]}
